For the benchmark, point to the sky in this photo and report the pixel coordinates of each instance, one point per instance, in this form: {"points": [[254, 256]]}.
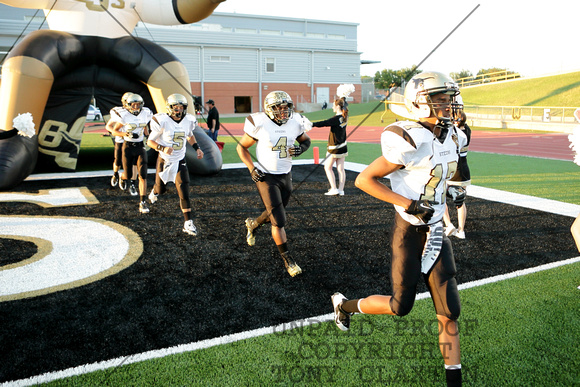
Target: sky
{"points": [[528, 37]]}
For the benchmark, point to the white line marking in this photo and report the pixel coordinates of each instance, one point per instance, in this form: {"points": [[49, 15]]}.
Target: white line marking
{"points": [[546, 205]]}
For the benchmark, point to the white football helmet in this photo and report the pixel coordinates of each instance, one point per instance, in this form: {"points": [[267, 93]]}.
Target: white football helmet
{"points": [[131, 101], [124, 99], [422, 86], [176, 99], [279, 106]]}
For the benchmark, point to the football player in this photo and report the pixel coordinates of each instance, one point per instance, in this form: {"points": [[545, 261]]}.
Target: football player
{"points": [[169, 133], [118, 141], [274, 132], [132, 124], [418, 157]]}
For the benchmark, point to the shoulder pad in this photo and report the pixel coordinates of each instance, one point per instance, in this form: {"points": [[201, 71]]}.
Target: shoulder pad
{"points": [[401, 129]]}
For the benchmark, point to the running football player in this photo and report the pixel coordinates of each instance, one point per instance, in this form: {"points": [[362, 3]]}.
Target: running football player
{"points": [[132, 124], [274, 132], [418, 157], [118, 141], [169, 133]]}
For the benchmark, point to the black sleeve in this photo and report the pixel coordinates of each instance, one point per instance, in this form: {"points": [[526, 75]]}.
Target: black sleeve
{"points": [[335, 120]]}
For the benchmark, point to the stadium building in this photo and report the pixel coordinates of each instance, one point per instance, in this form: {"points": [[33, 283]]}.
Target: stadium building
{"points": [[237, 59]]}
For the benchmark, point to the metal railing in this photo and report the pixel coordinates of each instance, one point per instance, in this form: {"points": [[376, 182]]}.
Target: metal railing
{"points": [[546, 114], [497, 76]]}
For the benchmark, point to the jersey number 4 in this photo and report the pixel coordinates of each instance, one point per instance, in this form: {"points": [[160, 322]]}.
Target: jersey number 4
{"points": [[281, 146]]}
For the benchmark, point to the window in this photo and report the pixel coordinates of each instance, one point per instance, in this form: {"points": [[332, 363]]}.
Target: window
{"points": [[270, 65], [314, 35], [246, 30], [218, 58], [270, 32], [292, 33], [337, 37]]}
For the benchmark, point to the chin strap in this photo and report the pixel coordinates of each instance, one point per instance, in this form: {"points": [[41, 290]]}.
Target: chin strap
{"points": [[444, 125]]}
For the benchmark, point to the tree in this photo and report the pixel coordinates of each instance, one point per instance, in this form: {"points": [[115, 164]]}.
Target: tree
{"points": [[461, 74], [386, 78]]}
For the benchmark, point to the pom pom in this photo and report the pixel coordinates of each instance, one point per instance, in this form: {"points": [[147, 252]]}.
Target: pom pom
{"points": [[575, 143], [306, 124], [23, 123], [344, 90]]}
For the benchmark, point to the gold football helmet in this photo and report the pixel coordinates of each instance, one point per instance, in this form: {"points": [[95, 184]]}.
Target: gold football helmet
{"points": [[176, 99], [422, 86], [279, 106], [134, 104], [124, 99]]}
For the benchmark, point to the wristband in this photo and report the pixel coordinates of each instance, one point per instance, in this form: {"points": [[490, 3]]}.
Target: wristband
{"points": [[195, 146], [160, 148]]}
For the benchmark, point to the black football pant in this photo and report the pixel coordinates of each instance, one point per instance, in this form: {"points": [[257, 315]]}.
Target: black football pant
{"points": [[275, 192], [407, 246]]}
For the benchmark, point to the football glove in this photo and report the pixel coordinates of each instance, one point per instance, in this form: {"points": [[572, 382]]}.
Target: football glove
{"points": [[295, 150], [257, 175], [457, 194], [422, 209], [132, 135]]}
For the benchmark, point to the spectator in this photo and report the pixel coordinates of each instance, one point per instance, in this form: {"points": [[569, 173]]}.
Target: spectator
{"points": [[213, 120]]}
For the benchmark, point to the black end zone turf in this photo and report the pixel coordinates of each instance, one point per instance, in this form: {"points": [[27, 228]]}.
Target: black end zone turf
{"points": [[184, 289]]}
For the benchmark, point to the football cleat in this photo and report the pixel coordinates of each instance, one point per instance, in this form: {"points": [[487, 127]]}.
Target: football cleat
{"points": [[143, 207], [291, 267], [341, 318], [250, 238], [153, 197], [123, 184], [460, 234], [332, 192], [114, 180], [189, 228], [341, 192], [132, 189], [450, 230]]}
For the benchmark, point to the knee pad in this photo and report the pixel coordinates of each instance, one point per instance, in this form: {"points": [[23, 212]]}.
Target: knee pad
{"points": [[278, 217], [402, 302]]}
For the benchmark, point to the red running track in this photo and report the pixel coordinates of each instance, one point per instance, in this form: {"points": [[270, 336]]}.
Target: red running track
{"points": [[543, 145]]}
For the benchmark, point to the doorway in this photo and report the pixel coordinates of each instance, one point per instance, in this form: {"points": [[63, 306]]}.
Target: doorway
{"points": [[242, 104]]}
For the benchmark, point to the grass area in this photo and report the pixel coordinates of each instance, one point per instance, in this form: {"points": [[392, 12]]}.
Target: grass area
{"points": [[557, 90], [508, 331], [551, 179]]}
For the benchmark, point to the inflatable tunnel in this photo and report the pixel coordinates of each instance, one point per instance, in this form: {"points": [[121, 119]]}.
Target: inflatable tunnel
{"points": [[88, 53]]}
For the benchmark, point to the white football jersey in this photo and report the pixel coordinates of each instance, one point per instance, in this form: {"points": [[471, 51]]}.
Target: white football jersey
{"points": [[273, 140], [167, 132], [134, 123], [115, 117], [427, 162]]}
